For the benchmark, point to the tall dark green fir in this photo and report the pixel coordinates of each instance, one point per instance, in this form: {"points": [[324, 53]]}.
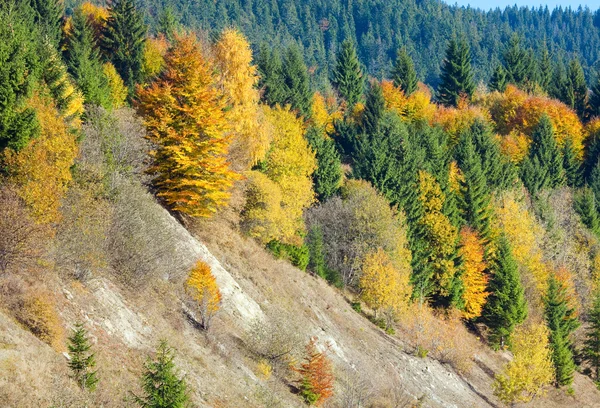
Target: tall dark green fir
{"points": [[585, 206], [516, 62], [403, 73], [327, 178], [571, 165], [498, 80], [296, 83], [456, 80], [591, 344], [268, 62], [348, 77], [578, 90], [48, 16]]}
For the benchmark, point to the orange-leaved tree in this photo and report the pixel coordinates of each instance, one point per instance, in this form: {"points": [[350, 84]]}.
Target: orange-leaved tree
{"points": [[185, 119], [202, 286], [474, 277], [316, 382]]}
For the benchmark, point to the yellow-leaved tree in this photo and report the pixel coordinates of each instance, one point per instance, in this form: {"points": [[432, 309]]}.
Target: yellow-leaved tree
{"points": [[415, 107], [42, 170], [154, 56], [202, 287], [185, 119], [118, 90], [383, 287], [237, 79], [530, 370], [474, 277], [324, 112]]}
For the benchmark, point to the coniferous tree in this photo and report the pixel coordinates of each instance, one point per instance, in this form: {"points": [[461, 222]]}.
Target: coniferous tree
{"points": [[561, 321], [374, 109], [545, 69], [594, 100], [403, 73], [295, 82], [83, 62], [498, 81], [591, 344], [271, 77], [457, 76], [594, 183], [124, 40], [571, 165], [578, 91], [82, 362], [327, 178], [516, 62], [559, 87], [168, 24], [585, 206], [348, 77], [161, 385], [591, 156], [543, 168], [48, 17], [317, 263], [506, 306], [498, 170]]}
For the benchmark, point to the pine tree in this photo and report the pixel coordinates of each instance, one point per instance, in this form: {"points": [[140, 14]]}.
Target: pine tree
{"points": [[498, 81], [457, 76], [585, 206], [20, 64], [543, 168], [83, 62], [571, 165], [296, 82], [545, 69], [82, 362], [327, 178], [348, 77], [404, 74], [271, 77], [591, 344], [506, 306], [516, 62], [124, 40], [48, 16], [578, 88], [161, 384], [561, 321]]}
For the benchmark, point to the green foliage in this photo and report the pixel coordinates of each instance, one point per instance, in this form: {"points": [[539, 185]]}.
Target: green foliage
{"points": [[268, 62], [457, 75], [545, 69], [561, 321], [317, 263], [498, 81], [348, 77], [374, 109], [403, 73], [298, 256], [543, 168], [571, 165], [577, 90], [296, 84], [327, 178], [19, 62], [124, 40], [161, 384], [591, 344], [168, 24], [594, 100], [517, 62], [506, 306], [586, 207], [82, 362], [48, 16]]}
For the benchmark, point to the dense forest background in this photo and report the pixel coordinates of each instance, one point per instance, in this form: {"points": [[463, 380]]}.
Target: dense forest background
{"points": [[379, 28]]}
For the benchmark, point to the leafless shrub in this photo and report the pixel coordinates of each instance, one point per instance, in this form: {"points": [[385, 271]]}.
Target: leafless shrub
{"points": [[353, 391]]}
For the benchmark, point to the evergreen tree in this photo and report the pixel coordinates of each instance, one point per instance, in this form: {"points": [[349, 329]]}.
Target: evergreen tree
{"points": [[578, 90], [124, 40], [20, 64], [327, 178], [516, 62], [592, 155], [83, 62], [296, 82], [457, 76], [161, 385], [506, 306], [585, 206], [560, 87], [348, 77], [317, 263], [270, 76], [561, 321], [168, 24], [374, 109], [475, 200], [497, 169], [498, 81], [594, 183], [82, 362], [404, 74], [591, 344], [594, 100], [545, 69], [571, 165], [543, 168], [48, 17]]}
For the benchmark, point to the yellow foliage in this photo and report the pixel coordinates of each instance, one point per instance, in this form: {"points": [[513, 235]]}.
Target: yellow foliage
{"points": [[201, 285], [96, 15], [474, 275], [530, 371], [264, 369], [184, 116], [263, 215], [416, 107], [118, 90], [455, 176], [382, 285], [41, 170], [154, 56], [515, 145], [457, 120], [38, 313], [238, 79], [325, 112]]}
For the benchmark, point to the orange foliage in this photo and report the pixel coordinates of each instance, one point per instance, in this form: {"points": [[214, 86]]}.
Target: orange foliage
{"points": [[201, 285], [416, 107], [185, 119], [565, 279], [317, 380], [457, 120], [474, 275]]}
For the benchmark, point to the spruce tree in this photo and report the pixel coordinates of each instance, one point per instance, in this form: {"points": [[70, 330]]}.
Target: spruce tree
{"points": [[498, 81], [585, 206], [545, 69], [82, 362], [317, 263], [560, 86], [591, 156], [571, 165], [594, 100], [168, 24], [594, 183], [578, 88], [83, 62], [403, 73], [591, 344], [457, 76], [270, 75], [498, 170], [516, 62], [19, 64], [124, 40], [543, 168], [327, 178], [562, 322], [506, 306], [48, 17], [348, 77], [374, 109], [296, 82], [161, 385]]}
